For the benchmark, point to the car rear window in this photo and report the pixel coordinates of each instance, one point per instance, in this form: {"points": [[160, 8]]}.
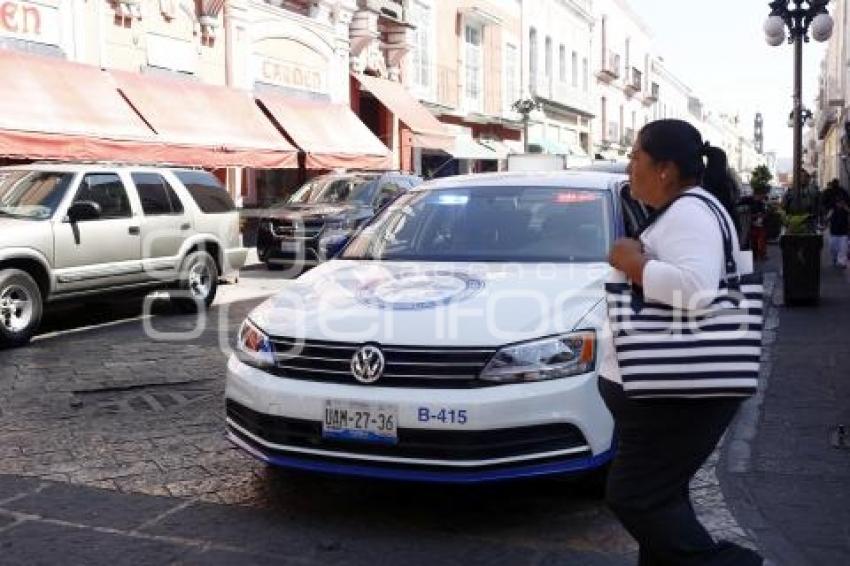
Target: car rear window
{"points": [[156, 194], [208, 193]]}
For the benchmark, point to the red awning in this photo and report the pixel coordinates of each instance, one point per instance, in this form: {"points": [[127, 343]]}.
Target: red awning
{"points": [[206, 125], [330, 135], [427, 131], [54, 109]]}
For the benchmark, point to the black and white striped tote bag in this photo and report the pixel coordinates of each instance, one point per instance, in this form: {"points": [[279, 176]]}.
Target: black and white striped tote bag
{"points": [[664, 351]]}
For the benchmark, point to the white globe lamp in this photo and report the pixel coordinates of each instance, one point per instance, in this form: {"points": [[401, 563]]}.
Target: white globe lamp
{"points": [[822, 27], [773, 26], [775, 40]]}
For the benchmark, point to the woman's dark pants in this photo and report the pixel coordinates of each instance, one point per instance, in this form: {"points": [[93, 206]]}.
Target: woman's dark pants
{"points": [[661, 445]]}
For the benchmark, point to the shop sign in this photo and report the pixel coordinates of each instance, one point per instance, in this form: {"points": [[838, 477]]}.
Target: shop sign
{"points": [[290, 74], [29, 21]]}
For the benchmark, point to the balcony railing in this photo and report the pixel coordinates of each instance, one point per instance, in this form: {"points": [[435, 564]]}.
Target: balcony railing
{"points": [[652, 96], [613, 132], [610, 67], [628, 137], [826, 118], [635, 82]]}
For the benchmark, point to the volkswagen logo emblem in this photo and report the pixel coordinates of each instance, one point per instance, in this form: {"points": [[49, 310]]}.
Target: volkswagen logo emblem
{"points": [[367, 365]]}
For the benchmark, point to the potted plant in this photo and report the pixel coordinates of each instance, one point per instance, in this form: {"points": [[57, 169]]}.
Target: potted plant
{"points": [[801, 252]]}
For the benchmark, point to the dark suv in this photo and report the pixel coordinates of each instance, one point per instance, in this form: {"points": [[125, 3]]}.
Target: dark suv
{"points": [[288, 235]]}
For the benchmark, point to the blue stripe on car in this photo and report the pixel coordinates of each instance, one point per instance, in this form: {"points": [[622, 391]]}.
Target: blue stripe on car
{"points": [[573, 465]]}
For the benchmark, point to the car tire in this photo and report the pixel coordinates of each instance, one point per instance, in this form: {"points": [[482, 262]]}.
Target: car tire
{"points": [[264, 254], [198, 283], [274, 266], [21, 307]]}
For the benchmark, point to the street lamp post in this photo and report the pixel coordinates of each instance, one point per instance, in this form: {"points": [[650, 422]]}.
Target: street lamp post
{"points": [[799, 20], [526, 106]]}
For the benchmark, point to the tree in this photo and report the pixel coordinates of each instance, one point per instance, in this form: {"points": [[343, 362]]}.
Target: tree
{"points": [[760, 179]]}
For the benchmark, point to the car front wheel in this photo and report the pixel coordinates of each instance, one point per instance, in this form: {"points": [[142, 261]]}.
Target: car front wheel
{"points": [[198, 283], [21, 307]]}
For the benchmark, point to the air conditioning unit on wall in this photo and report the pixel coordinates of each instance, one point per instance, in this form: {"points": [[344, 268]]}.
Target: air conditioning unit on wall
{"points": [[393, 9]]}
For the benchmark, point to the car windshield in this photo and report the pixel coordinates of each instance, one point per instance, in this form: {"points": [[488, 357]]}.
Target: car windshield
{"points": [[32, 194], [491, 224], [335, 190]]}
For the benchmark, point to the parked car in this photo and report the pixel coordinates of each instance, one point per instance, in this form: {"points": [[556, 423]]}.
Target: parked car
{"points": [[70, 231], [606, 166], [289, 235], [454, 339]]}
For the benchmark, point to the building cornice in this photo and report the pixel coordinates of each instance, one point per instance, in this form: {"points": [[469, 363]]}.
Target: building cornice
{"points": [[578, 10], [624, 5]]}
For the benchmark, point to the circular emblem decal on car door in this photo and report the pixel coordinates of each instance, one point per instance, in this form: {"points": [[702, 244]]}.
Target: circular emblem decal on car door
{"points": [[367, 364]]}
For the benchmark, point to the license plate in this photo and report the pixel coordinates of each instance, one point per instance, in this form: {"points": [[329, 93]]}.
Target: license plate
{"points": [[364, 422], [291, 246]]}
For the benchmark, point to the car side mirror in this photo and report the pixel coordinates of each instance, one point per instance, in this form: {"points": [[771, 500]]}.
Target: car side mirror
{"points": [[84, 210]]}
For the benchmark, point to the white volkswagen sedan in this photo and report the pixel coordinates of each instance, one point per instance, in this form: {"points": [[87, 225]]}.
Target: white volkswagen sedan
{"points": [[454, 338]]}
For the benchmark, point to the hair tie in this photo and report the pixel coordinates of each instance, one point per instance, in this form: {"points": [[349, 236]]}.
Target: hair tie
{"points": [[704, 149]]}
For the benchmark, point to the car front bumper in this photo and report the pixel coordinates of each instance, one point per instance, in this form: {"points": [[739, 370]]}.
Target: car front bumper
{"points": [[513, 431]]}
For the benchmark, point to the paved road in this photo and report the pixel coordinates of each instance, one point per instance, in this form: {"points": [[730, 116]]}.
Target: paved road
{"points": [[120, 437], [789, 484]]}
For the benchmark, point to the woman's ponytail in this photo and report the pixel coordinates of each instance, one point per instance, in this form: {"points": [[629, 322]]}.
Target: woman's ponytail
{"points": [[717, 179]]}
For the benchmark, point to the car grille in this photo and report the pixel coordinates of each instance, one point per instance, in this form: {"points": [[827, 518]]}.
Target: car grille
{"points": [[405, 366], [430, 444], [297, 229]]}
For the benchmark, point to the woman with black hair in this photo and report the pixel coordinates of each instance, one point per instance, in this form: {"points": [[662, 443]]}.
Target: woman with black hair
{"points": [[678, 261]]}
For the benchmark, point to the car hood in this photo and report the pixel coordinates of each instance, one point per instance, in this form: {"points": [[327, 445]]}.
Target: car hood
{"points": [[434, 304], [20, 232], [315, 211]]}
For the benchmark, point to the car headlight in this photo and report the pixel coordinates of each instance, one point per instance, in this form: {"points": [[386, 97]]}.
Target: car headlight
{"points": [[254, 347], [549, 358]]}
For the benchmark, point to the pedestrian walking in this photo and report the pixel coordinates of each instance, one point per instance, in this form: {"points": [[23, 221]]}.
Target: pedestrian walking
{"points": [[678, 260], [757, 209], [838, 218]]}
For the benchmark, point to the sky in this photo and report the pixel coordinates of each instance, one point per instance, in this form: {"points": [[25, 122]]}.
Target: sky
{"points": [[717, 48]]}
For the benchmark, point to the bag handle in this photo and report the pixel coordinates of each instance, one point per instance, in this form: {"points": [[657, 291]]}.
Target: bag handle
{"points": [[725, 231]]}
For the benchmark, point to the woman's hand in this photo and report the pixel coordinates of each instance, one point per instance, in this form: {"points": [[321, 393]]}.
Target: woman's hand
{"points": [[627, 256]]}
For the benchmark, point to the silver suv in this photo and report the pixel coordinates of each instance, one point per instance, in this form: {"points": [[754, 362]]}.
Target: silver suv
{"points": [[69, 230]]}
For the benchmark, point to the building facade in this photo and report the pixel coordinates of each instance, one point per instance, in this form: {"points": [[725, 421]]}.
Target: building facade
{"points": [[832, 108], [557, 67], [465, 68], [257, 90], [623, 56], [672, 97], [425, 85]]}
